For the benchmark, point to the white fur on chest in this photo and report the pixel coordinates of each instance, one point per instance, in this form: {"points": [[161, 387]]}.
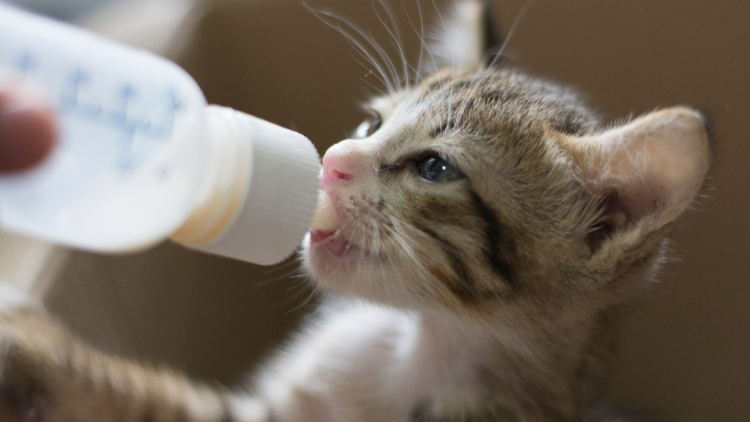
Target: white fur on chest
{"points": [[365, 363]]}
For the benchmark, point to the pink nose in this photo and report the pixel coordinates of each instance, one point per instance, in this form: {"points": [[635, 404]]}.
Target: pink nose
{"points": [[336, 170], [341, 164]]}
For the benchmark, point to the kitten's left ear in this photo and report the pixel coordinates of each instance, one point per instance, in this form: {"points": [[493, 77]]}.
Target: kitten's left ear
{"points": [[464, 37], [643, 174]]}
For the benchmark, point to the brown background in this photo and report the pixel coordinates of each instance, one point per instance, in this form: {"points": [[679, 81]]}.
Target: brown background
{"points": [[685, 351]]}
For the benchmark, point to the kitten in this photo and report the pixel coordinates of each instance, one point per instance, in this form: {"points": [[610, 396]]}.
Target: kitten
{"points": [[491, 226]]}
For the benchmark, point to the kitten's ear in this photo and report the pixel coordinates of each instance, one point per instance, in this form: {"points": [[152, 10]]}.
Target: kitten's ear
{"points": [[462, 37], [644, 174]]}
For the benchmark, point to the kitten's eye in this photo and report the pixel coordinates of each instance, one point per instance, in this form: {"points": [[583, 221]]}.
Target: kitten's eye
{"points": [[369, 126], [436, 169]]}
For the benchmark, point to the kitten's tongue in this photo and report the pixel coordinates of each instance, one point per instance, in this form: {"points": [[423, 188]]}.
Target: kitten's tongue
{"points": [[325, 218]]}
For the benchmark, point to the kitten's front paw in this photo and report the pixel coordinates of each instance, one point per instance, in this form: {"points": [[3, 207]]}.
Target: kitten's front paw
{"points": [[24, 394], [30, 344]]}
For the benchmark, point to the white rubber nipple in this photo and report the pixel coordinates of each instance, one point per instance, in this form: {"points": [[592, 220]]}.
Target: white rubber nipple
{"points": [[325, 218]]}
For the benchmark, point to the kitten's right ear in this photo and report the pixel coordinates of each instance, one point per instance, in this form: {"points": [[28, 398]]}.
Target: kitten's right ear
{"points": [[644, 174]]}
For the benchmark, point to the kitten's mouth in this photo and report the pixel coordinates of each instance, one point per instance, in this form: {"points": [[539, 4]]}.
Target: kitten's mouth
{"points": [[325, 233], [331, 242]]}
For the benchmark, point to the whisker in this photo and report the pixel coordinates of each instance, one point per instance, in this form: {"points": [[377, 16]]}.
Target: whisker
{"points": [[386, 58], [283, 276], [315, 292], [373, 87], [388, 76], [464, 283], [423, 47], [364, 53], [395, 36], [426, 235], [419, 35], [398, 237], [371, 73], [512, 30]]}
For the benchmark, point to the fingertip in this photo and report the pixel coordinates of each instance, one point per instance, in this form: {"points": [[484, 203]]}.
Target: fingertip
{"points": [[28, 130]]}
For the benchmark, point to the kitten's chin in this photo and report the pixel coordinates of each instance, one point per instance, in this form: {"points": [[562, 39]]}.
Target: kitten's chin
{"points": [[346, 269], [329, 243], [333, 261], [327, 253]]}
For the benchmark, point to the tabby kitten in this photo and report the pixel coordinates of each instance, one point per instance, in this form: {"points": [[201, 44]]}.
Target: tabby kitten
{"points": [[490, 227]]}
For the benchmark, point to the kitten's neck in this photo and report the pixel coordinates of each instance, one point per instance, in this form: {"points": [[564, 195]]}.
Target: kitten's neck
{"points": [[553, 368]]}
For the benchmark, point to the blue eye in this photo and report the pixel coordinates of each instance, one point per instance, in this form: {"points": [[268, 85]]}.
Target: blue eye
{"points": [[436, 169]]}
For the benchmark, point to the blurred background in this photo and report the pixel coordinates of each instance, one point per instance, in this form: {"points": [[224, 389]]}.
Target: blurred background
{"points": [[685, 349]]}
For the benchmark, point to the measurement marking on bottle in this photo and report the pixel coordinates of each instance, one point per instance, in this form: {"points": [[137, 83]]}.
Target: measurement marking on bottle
{"points": [[27, 63], [164, 172], [175, 102], [78, 78], [80, 81]]}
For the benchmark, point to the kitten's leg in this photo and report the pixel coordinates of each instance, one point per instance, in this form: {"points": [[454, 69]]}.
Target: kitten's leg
{"points": [[48, 375]]}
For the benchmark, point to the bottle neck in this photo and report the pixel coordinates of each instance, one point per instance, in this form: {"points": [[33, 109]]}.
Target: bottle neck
{"points": [[261, 191], [227, 179]]}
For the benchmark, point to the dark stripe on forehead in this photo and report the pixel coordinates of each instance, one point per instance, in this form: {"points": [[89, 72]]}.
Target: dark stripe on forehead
{"points": [[501, 247]]}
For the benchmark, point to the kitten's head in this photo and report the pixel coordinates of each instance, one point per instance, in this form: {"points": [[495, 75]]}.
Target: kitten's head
{"points": [[483, 189]]}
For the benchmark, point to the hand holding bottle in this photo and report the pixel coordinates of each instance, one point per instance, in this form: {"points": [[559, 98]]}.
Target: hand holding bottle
{"points": [[27, 128]]}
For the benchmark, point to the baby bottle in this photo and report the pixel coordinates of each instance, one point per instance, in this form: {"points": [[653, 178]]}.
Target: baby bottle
{"points": [[141, 157]]}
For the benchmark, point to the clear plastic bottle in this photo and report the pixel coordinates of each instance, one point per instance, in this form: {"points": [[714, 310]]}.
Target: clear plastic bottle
{"points": [[142, 157]]}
